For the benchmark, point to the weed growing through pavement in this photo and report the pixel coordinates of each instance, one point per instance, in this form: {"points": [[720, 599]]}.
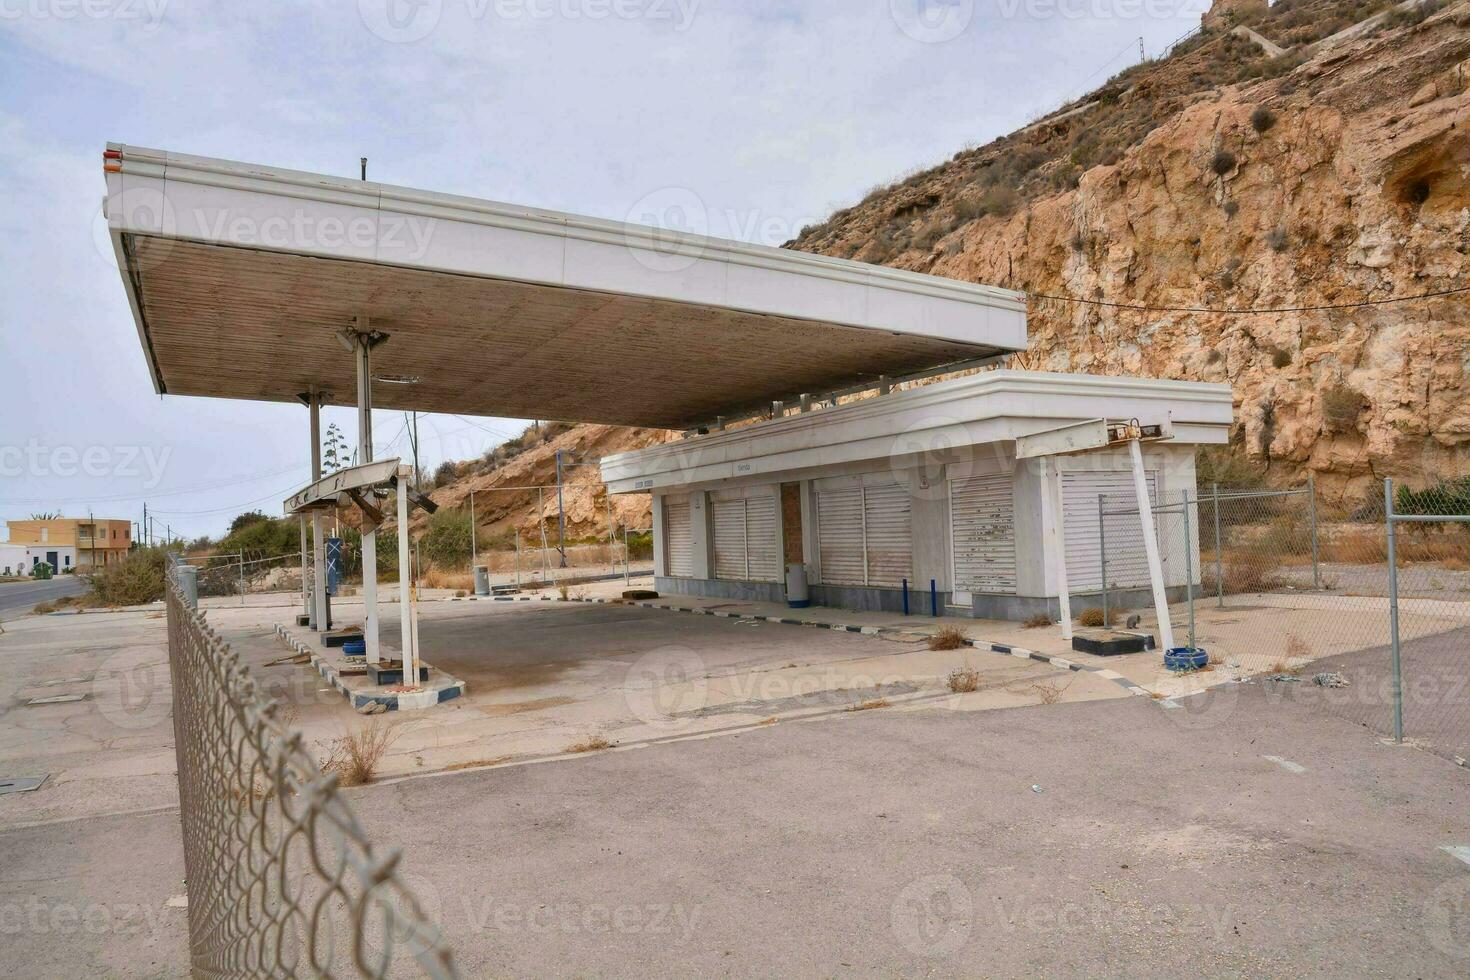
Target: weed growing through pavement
{"points": [[949, 638], [355, 756], [964, 680], [592, 743]]}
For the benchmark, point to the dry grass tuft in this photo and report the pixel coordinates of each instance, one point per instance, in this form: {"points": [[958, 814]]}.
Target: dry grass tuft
{"points": [[1296, 647], [1050, 692], [592, 743], [355, 757], [949, 638], [964, 680], [1037, 622], [436, 578], [1095, 617], [870, 705]]}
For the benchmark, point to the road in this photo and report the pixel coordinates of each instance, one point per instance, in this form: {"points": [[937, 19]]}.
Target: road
{"points": [[17, 598]]}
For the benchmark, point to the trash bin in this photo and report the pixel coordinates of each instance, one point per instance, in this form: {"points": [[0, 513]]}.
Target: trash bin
{"points": [[482, 580], [797, 596]]}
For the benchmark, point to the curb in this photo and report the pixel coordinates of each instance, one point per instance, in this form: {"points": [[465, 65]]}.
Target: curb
{"points": [[390, 702]]}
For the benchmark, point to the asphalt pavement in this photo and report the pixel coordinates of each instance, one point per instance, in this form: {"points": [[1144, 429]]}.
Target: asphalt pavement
{"points": [[17, 598]]}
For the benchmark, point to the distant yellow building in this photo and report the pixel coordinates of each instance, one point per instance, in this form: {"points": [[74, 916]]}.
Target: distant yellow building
{"points": [[67, 542]]}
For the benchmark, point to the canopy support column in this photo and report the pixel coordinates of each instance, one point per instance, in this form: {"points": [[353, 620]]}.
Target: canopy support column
{"points": [[407, 600], [1051, 481], [1151, 546], [321, 613], [306, 608], [363, 342]]}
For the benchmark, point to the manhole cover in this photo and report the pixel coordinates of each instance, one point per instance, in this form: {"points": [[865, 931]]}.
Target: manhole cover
{"points": [[21, 784], [58, 699]]}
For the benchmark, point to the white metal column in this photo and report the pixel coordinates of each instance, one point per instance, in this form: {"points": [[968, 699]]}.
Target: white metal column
{"points": [[1151, 545], [408, 629], [365, 455], [318, 539], [1051, 481], [306, 608]]}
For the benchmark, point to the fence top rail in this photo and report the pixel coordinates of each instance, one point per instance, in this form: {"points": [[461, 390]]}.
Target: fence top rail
{"points": [[1240, 494], [1430, 518]]}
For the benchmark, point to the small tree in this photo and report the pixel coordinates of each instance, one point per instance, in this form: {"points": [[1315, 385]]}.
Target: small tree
{"points": [[334, 450]]}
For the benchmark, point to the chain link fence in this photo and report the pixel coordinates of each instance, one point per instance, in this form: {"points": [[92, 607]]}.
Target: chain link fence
{"points": [[282, 879], [1283, 586]]}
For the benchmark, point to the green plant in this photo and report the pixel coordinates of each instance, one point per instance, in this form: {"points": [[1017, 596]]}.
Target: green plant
{"points": [[135, 581], [1445, 499], [446, 540]]}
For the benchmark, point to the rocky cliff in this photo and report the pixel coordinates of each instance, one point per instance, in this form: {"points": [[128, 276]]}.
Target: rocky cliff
{"points": [[1229, 213], [1343, 180]]}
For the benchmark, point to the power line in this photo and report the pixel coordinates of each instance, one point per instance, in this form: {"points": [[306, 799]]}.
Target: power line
{"points": [[1245, 311]]}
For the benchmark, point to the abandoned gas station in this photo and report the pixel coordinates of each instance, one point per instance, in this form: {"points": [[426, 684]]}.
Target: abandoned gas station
{"points": [[809, 471]]}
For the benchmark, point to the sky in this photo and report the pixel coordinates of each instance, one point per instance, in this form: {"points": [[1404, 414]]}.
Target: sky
{"points": [[766, 114]]}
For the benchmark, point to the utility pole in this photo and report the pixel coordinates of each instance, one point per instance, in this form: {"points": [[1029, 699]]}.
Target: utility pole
{"points": [[144, 528], [474, 554], [561, 517]]}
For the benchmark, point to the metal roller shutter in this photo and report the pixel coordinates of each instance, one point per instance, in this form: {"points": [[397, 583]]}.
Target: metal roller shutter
{"points": [[840, 536], [864, 533], [1127, 563], [983, 529], [763, 539], [678, 537], [888, 524], [745, 537]]}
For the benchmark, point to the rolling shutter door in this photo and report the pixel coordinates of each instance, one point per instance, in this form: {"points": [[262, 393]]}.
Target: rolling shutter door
{"points": [[888, 520], [864, 534], [678, 537], [762, 539], [729, 521], [1127, 561], [840, 536], [745, 537], [982, 522]]}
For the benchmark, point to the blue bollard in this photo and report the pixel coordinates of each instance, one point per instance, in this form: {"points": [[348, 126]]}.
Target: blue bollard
{"points": [[905, 597], [933, 598]]}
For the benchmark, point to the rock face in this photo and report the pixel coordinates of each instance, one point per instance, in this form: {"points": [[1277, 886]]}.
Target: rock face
{"points": [[1358, 193]]}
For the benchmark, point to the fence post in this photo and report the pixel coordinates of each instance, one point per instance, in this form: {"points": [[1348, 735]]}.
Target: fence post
{"points": [[627, 566], [1316, 563], [1219, 552], [518, 559], [242, 578], [1393, 614], [1102, 555]]}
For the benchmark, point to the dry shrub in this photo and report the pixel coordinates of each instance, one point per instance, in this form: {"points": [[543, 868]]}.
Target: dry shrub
{"points": [[436, 578], [1244, 572], [1341, 407], [949, 638], [592, 743], [1222, 162], [1096, 617], [964, 680], [1262, 119], [563, 590], [42, 608], [1050, 692], [355, 756], [1037, 622]]}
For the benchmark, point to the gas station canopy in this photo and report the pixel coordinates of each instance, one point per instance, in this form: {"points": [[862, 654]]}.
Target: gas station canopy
{"points": [[242, 277]]}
